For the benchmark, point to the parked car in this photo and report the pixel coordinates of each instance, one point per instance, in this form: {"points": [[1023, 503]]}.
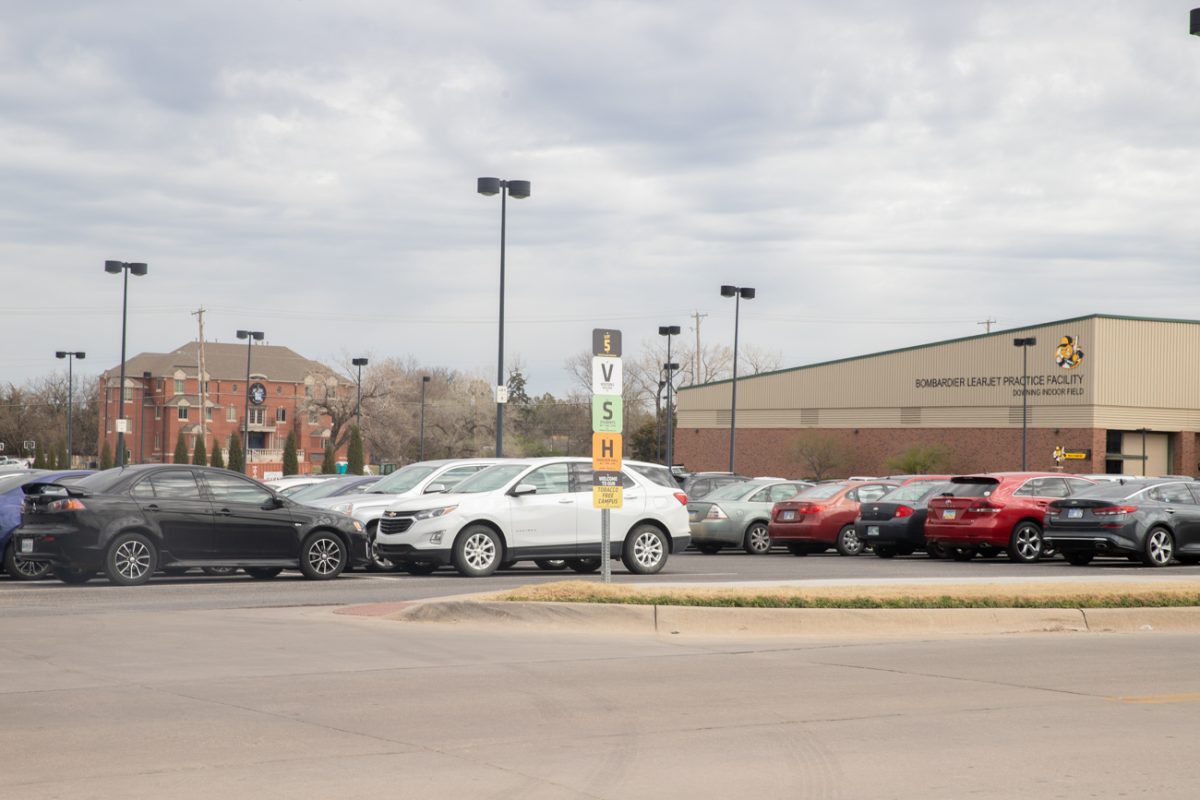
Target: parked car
{"points": [[699, 484], [290, 484], [823, 515], [999, 510], [895, 523], [334, 487], [1148, 520], [738, 514], [130, 521], [534, 509], [11, 498]]}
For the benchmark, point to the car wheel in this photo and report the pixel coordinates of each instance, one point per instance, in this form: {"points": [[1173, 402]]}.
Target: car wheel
{"points": [[220, 572], [73, 575], [709, 549], [848, 543], [322, 556], [935, 550], [1079, 558], [757, 540], [477, 551], [583, 564], [377, 562], [1025, 544], [263, 573], [551, 564], [420, 567], [961, 553], [22, 569], [884, 551], [1158, 548], [130, 560], [645, 550]]}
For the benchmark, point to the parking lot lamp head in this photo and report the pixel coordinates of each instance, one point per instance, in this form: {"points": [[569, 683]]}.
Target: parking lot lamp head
{"points": [[1195, 22]]}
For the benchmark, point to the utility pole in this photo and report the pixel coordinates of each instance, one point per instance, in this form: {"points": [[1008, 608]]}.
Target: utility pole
{"points": [[200, 392], [696, 370], [989, 322]]}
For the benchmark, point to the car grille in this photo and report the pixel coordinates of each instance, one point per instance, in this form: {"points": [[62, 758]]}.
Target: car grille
{"points": [[395, 524]]}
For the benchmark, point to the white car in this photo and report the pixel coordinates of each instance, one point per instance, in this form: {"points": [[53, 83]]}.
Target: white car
{"points": [[537, 509]]}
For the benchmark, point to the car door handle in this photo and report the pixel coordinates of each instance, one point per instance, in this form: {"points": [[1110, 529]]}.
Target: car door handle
{"points": [[152, 507], [632, 496], [224, 511], [567, 501], [1169, 510]]}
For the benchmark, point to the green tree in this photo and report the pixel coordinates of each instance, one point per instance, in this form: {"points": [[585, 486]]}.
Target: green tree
{"points": [[181, 453], [106, 461], [643, 444], [237, 459], [64, 460], [920, 460], [217, 459], [39, 456], [199, 456], [329, 463], [291, 464], [354, 454]]}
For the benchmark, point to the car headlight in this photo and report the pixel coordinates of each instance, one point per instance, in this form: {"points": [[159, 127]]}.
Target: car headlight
{"points": [[430, 513], [358, 526], [342, 508]]}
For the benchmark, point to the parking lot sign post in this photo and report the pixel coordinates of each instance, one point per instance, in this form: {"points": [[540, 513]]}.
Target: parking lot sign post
{"points": [[607, 421]]}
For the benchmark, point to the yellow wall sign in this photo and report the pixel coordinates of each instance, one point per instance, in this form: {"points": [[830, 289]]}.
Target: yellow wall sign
{"points": [[606, 452], [607, 491]]}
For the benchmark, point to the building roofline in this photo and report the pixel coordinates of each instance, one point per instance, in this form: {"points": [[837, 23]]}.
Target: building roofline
{"points": [[1004, 332]]}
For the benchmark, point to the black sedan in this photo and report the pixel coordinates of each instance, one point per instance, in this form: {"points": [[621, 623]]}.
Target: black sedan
{"points": [[895, 523], [131, 521], [1149, 520]]}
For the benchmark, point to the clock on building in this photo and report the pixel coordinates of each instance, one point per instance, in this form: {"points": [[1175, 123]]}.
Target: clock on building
{"points": [[258, 393]]}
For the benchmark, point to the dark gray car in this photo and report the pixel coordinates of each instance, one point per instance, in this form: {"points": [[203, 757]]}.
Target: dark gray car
{"points": [[1150, 520]]}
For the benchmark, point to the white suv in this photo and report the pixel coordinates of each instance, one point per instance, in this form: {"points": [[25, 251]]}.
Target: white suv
{"points": [[537, 509]]}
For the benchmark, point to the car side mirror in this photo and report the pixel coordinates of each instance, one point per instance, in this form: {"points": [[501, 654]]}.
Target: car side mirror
{"points": [[274, 502], [522, 489], [436, 488]]}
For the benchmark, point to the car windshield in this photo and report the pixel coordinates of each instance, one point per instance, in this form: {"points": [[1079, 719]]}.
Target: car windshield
{"points": [[912, 492], [101, 482], [660, 475], [490, 479], [821, 491], [733, 491], [403, 480], [315, 491], [981, 487], [1112, 490]]}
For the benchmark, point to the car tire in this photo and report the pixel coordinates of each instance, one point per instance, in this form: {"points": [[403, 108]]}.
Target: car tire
{"points": [[848, 543], [645, 550], [73, 575], [1025, 543], [477, 552], [21, 569], [583, 565], [1158, 548], [130, 559], [885, 551], [419, 567], [757, 540], [935, 550], [551, 564], [219, 572], [1079, 558], [377, 562], [263, 573], [961, 553], [323, 556], [709, 549]]}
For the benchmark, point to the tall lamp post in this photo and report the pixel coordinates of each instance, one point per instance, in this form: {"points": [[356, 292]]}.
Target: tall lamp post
{"points": [[360, 363], [70, 356], [251, 337], [126, 267], [737, 293], [669, 331], [518, 190], [1025, 343], [424, 382], [1195, 22], [146, 378]]}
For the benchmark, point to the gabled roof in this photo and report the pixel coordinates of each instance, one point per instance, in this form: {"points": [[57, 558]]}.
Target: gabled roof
{"points": [[226, 362]]}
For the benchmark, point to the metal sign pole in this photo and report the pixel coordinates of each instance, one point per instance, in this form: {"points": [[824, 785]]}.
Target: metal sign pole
{"points": [[605, 547]]}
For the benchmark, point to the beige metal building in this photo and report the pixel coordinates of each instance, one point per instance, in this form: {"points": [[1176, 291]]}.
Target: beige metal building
{"points": [[1118, 394]]}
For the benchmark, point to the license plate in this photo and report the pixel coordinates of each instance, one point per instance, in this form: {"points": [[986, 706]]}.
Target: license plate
{"points": [[950, 513], [787, 514], [872, 530], [27, 545], [1074, 513], [694, 518]]}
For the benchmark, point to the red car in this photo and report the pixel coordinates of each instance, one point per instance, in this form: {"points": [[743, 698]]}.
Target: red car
{"points": [[822, 516], [997, 511]]}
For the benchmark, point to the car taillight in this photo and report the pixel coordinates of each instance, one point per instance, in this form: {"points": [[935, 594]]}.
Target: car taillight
{"points": [[1113, 511], [715, 512], [70, 504], [903, 511], [809, 508], [984, 507], [682, 498]]}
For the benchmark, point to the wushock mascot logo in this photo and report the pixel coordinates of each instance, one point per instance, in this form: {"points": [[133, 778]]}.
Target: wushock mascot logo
{"points": [[1068, 354]]}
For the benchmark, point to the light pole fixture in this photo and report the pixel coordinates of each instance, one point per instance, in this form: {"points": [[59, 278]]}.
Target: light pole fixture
{"points": [[737, 293], [1143, 432], [70, 356], [360, 363], [669, 331], [518, 190], [1195, 22], [251, 337], [424, 381], [1025, 343], [126, 267]]}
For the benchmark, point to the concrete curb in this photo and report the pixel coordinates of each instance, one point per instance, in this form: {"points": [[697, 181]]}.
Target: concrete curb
{"points": [[823, 622]]}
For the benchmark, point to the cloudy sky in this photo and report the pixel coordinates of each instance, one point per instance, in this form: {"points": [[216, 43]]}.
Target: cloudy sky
{"points": [[883, 173]]}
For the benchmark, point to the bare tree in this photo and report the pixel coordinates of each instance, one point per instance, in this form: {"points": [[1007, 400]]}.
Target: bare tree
{"points": [[821, 455]]}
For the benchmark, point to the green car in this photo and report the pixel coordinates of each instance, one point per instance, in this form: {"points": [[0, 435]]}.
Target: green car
{"points": [[737, 515]]}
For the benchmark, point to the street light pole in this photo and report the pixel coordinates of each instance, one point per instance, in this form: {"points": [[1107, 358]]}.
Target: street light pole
{"points": [[70, 356], [669, 331], [360, 363], [126, 267], [424, 381], [250, 337], [146, 378], [737, 293], [519, 190], [1025, 343]]}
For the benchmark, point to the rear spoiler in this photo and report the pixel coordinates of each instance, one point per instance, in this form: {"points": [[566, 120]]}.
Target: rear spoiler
{"points": [[51, 489]]}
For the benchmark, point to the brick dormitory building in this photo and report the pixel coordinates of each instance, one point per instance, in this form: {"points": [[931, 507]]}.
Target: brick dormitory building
{"points": [[163, 398]]}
